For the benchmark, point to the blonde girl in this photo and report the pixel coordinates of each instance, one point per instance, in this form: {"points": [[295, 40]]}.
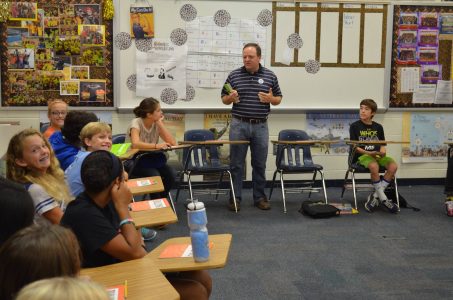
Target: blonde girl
{"points": [[31, 161], [68, 288]]}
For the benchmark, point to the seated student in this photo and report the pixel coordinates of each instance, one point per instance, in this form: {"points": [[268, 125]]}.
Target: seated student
{"points": [[373, 156], [16, 208], [31, 161], [101, 221], [67, 288], [66, 143], [56, 112], [94, 136], [143, 133], [35, 253]]}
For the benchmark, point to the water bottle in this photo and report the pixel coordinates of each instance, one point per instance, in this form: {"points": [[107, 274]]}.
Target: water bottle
{"points": [[197, 220]]}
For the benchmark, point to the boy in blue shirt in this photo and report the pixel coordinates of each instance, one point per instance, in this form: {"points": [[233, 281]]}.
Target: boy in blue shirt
{"points": [[373, 156]]}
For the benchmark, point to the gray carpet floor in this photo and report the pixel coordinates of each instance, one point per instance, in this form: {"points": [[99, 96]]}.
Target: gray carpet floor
{"points": [[365, 256]]}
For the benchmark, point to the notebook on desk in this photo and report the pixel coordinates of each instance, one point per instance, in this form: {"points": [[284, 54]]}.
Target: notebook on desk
{"points": [[120, 149]]}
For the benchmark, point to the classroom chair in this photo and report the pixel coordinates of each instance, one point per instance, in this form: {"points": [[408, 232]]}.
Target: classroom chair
{"points": [[296, 159], [44, 127], [118, 138], [203, 160], [145, 158], [361, 184]]}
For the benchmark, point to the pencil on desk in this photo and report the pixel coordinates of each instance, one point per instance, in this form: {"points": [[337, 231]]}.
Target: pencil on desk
{"points": [[125, 288]]}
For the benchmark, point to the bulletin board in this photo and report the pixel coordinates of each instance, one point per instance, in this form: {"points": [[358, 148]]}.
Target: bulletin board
{"points": [[422, 52], [56, 49], [352, 62]]}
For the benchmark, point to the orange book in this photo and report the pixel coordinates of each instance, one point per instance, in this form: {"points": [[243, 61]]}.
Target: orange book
{"points": [[179, 250], [149, 204], [116, 292]]}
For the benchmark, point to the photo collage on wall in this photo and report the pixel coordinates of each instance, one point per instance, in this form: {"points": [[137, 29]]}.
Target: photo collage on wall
{"points": [[422, 56], [57, 50]]}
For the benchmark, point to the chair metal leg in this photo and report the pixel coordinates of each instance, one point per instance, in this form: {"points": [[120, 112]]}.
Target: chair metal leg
{"points": [[232, 191], [396, 192], [219, 186], [353, 189], [344, 184], [181, 178], [190, 187], [323, 185], [272, 184], [171, 203], [283, 191], [312, 184]]}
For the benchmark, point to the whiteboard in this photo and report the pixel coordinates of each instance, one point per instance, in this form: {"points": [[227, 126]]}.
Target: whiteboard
{"points": [[329, 89]]}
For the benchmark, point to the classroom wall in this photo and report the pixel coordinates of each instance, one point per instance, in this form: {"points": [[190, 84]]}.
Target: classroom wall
{"points": [[335, 166]]}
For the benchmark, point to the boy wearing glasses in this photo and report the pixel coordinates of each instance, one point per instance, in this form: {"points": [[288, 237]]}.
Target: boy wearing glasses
{"points": [[56, 112]]}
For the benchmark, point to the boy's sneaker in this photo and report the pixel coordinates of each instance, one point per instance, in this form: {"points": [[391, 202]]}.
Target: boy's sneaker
{"points": [[392, 207], [371, 203], [148, 234]]}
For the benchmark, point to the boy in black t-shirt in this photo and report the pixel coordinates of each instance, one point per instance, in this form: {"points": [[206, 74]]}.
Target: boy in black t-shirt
{"points": [[373, 156]]}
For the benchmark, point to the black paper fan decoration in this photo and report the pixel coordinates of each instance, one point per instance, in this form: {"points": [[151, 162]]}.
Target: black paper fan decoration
{"points": [[123, 40], [143, 45], [131, 82], [222, 18], [188, 12], [178, 36], [190, 93], [294, 41], [169, 96], [264, 18], [312, 66]]}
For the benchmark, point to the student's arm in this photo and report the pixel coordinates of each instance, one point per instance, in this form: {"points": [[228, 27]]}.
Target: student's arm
{"points": [[165, 134], [127, 244], [54, 215]]}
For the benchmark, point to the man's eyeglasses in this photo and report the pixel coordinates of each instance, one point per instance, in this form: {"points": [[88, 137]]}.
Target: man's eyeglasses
{"points": [[59, 113]]}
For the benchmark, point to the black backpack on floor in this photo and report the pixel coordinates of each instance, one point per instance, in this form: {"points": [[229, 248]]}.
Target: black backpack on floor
{"points": [[391, 195], [318, 209]]}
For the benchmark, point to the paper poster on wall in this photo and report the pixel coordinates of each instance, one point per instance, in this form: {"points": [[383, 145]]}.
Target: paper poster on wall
{"points": [[142, 22], [161, 72], [427, 133], [176, 125], [215, 51], [331, 127]]}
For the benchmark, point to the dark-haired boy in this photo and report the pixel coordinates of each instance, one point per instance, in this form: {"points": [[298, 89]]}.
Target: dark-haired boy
{"points": [[373, 156], [66, 143], [106, 232]]}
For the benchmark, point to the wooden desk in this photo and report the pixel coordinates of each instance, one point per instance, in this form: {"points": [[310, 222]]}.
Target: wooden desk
{"points": [[154, 217], [217, 258], [138, 189], [144, 279], [212, 142]]}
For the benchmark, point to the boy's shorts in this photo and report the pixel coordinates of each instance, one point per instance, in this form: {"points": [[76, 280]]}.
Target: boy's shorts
{"points": [[366, 159]]}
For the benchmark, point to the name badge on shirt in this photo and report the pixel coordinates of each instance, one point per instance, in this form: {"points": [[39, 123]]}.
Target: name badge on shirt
{"points": [[260, 81]]}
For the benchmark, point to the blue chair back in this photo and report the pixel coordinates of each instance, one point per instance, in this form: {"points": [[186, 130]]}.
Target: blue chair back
{"points": [[200, 156], [118, 138], [44, 127], [293, 155]]}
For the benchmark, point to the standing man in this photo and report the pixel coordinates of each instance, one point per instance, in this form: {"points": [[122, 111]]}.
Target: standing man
{"points": [[251, 89]]}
